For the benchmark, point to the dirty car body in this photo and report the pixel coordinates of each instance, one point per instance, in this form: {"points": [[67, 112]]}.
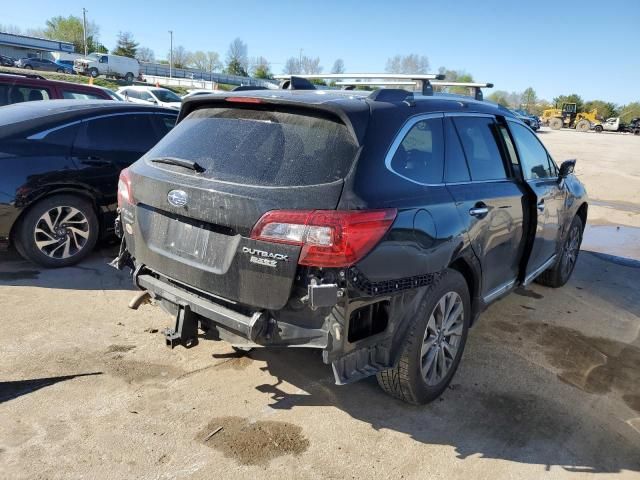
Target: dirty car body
{"points": [[327, 219]]}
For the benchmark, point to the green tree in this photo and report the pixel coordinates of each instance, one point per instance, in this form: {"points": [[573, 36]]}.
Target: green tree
{"points": [[605, 109], [69, 29], [237, 58], [500, 97], [529, 99], [572, 98], [126, 45], [630, 111], [261, 68]]}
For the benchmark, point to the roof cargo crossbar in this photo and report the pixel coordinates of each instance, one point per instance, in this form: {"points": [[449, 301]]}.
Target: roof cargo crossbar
{"points": [[475, 87], [423, 81]]}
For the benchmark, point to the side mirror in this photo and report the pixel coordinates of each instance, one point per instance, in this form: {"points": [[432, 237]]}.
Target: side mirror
{"points": [[566, 168]]}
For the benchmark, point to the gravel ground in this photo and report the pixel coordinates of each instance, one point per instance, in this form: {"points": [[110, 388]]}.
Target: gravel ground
{"points": [[549, 386]]}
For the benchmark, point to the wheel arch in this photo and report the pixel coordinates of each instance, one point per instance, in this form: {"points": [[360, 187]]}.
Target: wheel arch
{"points": [[84, 193], [582, 213], [471, 273]]}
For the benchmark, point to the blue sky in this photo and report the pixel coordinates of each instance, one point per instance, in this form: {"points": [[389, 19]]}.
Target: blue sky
{"points": [[562, 46]]}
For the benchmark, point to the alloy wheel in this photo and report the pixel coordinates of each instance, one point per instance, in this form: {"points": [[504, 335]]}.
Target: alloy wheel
{"points": [[61, 232], [570, 250], [442, 338]]}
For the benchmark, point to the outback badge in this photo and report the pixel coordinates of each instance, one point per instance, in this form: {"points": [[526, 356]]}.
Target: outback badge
{"points": [[264, 258]]}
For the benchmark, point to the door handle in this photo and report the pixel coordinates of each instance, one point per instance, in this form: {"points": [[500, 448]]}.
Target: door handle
{"points": [[479, 210], [540, 206]]}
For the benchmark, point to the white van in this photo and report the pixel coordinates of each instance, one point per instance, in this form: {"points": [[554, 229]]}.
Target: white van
{"points": [[116, 66]]}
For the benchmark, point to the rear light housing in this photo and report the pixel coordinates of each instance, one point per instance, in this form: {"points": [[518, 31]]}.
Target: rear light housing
{"points": [[329, 238], [125, 192]]}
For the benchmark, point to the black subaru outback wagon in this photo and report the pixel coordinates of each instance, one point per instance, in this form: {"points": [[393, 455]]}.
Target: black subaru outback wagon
{"points": [[374, 226]]}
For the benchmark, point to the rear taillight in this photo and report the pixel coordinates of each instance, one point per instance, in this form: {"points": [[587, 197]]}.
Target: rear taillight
{"points": [[125, 192], [329, 238]]}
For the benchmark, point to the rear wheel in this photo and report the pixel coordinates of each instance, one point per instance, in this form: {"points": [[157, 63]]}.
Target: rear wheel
{"points": [[583, 126], [598, 128], [555, 123], [58, 231], [432, 350], [129, 77], [561, 272], [28, 67]]}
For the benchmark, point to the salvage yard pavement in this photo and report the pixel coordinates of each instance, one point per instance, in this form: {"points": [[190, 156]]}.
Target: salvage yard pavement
{"points": [[549, 386]]}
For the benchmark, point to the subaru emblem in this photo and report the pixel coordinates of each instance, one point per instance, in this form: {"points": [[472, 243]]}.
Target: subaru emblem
{"points": [[177, 198]]}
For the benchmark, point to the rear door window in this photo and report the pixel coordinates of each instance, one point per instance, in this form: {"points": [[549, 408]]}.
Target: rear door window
{"points": [[261, 147], [420, 155], [478, 138], [129, 132], [16, 93]]}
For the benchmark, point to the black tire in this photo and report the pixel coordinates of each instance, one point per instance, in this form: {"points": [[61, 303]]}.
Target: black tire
{"points": [[94, 72], [560, 273], [598, 128], [59, 70], [406, 381], [128, 77], [583, 126], [80, 244], [28, 67], [555, 123]]}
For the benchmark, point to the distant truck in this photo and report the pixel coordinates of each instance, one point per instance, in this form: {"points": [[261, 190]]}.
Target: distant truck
{"points": [[614, 124], [108, 65]]}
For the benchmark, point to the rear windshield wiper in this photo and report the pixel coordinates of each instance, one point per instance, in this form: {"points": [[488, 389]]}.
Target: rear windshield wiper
{"points": [[180, 162]]}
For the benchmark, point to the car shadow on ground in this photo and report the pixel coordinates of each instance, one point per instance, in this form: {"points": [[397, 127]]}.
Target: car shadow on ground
{"points": [[501, 405], [14, 389], [93, 273]]}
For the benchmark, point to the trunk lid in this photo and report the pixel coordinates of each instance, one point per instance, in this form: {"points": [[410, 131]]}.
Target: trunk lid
{"points": [[252, 161]]}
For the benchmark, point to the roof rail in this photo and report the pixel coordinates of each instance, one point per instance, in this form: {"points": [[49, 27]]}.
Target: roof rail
{"points": [[475, 87], [422, 80]]}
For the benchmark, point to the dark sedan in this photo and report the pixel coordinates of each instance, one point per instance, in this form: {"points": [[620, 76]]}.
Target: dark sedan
{"points": [[60, 162], [39, 64]]}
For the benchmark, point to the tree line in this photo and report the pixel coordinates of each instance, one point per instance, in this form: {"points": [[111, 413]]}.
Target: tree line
{"points": [[238, 62]]}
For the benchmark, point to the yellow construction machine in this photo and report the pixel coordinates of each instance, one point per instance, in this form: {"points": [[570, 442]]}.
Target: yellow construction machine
{"points": [[568, 117]]}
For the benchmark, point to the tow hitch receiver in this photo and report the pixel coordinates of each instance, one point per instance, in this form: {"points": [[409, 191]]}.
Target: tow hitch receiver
{"points": [[185, 332]]}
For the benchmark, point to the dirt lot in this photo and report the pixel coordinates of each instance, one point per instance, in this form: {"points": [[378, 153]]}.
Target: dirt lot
{"points": [[549, 385]]}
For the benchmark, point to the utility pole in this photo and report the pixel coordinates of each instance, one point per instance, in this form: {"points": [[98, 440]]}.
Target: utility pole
{"points": [[171, 54], [84, 29]]}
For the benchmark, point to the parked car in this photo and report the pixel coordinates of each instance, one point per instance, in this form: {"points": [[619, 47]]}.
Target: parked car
{"points": [[16, 88], [373, 226], [200, 91], [109, 65], [531, 120], [151, 96], [66, 66], [60, 163], [39, 64], [7, 61]]}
